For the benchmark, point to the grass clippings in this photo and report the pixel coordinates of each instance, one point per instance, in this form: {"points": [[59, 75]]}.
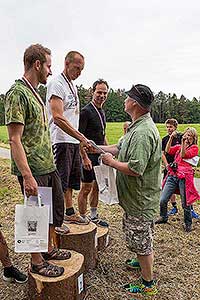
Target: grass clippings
{"points": [[177, 254]]}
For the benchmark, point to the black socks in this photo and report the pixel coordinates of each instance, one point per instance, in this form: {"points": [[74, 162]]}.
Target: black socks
{"points": [[70, 211]]}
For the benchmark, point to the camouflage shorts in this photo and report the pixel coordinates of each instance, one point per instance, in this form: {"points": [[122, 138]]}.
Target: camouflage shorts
{"points": [[139, 234]]}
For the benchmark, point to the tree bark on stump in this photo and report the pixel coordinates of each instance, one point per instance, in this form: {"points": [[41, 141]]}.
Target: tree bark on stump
{"points": [[82, 238], [69, 286], [102, 237]]}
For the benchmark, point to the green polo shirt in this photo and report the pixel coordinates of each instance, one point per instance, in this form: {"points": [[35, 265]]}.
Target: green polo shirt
{"points": [[141, 149], [21, 106]]}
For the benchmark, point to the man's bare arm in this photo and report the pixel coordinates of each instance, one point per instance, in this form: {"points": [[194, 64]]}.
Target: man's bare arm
{"points": [[110, 149], [87, 164], [15, 132], [56, 106]]}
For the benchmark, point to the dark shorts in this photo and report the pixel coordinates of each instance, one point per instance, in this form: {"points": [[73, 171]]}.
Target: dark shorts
{"points": [[67, 160], [89, 176], [51, 180], [139, 234]]}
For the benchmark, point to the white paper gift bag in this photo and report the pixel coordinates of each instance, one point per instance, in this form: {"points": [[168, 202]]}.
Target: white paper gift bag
{"points": [[106, 180], [31, 227], [46, 199]]}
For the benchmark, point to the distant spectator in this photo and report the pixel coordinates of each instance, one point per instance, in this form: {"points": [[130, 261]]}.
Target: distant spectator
{"points": [[171, 126], [181, 176]]}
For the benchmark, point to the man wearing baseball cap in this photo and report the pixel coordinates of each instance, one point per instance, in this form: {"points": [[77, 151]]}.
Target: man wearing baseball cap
{"points": [[138, 182]]}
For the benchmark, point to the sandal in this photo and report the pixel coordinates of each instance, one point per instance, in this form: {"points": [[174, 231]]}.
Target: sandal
{"points": [[47, 269], [62, 230], [57, 254]]}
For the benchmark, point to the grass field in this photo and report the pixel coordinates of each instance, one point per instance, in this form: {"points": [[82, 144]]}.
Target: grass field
{"points": [[114, 131]]}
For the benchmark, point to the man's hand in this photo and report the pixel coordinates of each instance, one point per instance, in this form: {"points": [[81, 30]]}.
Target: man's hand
{"points": [[85, 143], [87, 164], [30, 186], [107, 159]]}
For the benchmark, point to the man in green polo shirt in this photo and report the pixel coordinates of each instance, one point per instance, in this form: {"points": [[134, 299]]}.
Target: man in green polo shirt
{"points": [[138, 183], [32, 158]]}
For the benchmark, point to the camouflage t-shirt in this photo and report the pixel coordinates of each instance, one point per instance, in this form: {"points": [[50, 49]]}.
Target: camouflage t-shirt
{"points": [[21, 106]]}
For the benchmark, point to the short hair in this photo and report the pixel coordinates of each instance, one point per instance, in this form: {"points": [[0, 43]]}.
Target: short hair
{"points": [[33, 53], [193, 131], [173, 122], [99, 81], [70, 55]]}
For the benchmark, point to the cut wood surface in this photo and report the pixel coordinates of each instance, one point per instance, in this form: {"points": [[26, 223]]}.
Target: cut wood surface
{"points": [[102, 237], [197, 184], [82, 238], [68, 286]]}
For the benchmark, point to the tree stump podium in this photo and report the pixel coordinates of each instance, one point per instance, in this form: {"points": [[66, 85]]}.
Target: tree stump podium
{"points": [[69, 286], [102, 237], [82, 238]]}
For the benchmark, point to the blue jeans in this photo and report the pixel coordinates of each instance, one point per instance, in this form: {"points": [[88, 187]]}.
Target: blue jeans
{"points": [[171, 184]]}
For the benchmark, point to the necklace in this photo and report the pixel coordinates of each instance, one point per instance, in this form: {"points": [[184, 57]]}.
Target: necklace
{"points": [[100, 117], [73, 91]]}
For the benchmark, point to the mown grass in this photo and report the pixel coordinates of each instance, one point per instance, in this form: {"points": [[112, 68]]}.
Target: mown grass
{"points": [[3, 135], [114, 131]]}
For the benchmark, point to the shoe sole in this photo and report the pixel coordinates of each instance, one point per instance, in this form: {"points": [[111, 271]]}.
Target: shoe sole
{"points": [[76, 222], [11, 279], [132, 268], [141, 293]]}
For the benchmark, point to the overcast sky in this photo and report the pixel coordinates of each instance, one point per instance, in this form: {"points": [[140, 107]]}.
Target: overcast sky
{"points": [[148, 41]]}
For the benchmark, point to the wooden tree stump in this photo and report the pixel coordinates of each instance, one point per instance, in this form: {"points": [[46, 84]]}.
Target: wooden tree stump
{"points": [[69, 286], [102, 237], [82, 238]]}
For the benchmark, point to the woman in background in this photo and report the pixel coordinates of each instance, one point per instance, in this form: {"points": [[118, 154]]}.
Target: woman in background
{"points": [[180, 176]]}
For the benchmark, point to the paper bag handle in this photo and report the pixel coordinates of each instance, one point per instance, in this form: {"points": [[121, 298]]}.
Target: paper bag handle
{"points": [[38, 199]]}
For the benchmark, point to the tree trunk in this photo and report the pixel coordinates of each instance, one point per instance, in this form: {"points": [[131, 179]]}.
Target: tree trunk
{"points": [[69, 286], [82, 238]]}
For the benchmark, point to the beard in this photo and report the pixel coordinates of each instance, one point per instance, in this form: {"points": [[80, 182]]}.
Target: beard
{"points": [[42, 78]]}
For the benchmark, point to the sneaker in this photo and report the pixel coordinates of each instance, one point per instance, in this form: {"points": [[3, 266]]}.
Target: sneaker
{"points": [[137, 286], [132, 264], [12, 274], [188, 228], [161, 221], [99, 222], [194, 214], [172, 211], [76, 219]]}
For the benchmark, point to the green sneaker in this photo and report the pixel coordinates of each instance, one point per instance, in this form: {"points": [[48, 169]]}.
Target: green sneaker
{"points": [[138, 287], [132, 264]]}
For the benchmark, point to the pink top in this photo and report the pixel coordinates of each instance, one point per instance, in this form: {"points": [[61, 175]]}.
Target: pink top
{"points": [[185, 170], [183, 166]]}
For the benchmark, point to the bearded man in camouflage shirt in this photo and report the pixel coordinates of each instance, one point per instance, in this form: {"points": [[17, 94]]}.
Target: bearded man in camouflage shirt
{"points": [[32, 158]]}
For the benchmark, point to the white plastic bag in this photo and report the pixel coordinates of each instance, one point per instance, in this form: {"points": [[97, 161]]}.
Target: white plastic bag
{"points": [[31, 227], [106, 180]]}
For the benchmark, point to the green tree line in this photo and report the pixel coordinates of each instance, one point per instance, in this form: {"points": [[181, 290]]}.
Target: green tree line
{"points": [[165, 106]]}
